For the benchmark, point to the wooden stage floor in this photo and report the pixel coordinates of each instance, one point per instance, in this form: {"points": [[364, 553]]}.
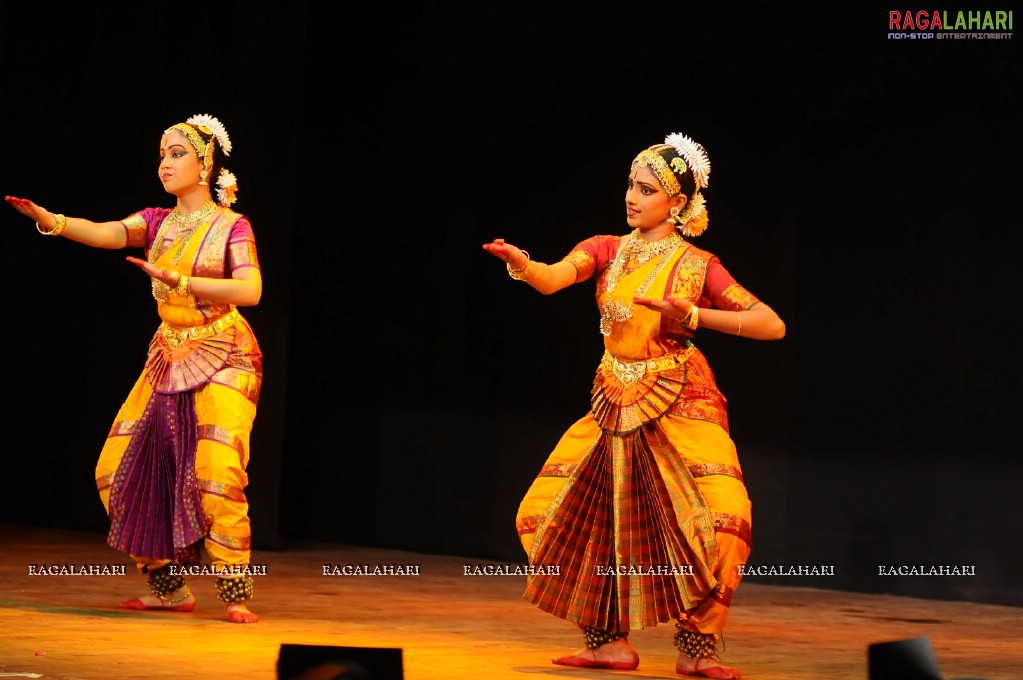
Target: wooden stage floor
{"points": [[448, 626]]}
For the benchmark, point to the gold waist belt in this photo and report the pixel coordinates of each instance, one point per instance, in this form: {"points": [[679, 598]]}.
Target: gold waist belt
{"points": [[631, 372], [176, 336]]}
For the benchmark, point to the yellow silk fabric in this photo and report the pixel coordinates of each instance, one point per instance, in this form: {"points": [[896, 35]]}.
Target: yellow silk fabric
{"points": [[639, 337], [181, 312]]}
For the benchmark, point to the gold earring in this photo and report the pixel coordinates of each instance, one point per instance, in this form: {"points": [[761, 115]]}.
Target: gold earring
{"points": [[202, 180], [673, 214]]}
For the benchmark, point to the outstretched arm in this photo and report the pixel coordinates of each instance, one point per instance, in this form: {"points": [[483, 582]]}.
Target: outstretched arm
{"points": [[95, 234], [546, 278]]}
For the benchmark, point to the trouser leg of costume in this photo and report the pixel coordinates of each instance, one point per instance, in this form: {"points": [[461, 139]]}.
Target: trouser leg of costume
{"points": [[225, 421], [731, 508]]}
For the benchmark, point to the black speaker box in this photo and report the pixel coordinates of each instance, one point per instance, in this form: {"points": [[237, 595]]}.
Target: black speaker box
{"points": [[326, 662], [903, 660]]}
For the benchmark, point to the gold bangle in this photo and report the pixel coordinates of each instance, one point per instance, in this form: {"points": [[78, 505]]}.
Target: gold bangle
{"points": [[692, 319], [518, 274], [59, 222], [181, 290], [739, 316]]}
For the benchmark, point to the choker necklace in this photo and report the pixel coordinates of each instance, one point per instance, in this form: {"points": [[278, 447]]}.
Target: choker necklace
{"points": [[613, 311], [195, 218], [644, 250]]}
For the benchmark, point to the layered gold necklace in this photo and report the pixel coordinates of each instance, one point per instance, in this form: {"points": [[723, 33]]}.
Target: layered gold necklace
{"points": [[186, 228], [193, 219], [613, 311]]}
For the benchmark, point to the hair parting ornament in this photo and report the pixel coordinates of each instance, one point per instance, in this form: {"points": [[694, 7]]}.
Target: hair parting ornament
{"points": [[692, 157], [227, 183], [653, 160]]}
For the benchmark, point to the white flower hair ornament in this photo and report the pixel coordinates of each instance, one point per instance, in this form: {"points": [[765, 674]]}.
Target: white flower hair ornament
{"points": [[693, 220], [227, 186], [694, 154], [210, 124]]}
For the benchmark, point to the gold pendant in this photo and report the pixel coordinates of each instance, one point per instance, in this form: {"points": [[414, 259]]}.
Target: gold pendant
{"points": [[612, 312]]}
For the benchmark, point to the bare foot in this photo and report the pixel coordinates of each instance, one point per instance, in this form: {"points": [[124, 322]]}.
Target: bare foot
{"points": [[181, 600], [707, 667], [618, 654], [239, 613]]}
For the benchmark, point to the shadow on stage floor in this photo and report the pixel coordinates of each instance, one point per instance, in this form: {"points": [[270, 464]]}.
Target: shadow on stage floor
{"points": [[447, 625]]}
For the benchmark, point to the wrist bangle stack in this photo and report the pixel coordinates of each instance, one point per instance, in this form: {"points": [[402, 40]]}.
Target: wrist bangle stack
{"points": [[59, 223], [523, 274], [738, 331], [519, 274], [181, 290]]}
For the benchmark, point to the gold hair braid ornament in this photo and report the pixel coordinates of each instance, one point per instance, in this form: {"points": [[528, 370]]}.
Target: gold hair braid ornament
{"points": [[612, 311]]}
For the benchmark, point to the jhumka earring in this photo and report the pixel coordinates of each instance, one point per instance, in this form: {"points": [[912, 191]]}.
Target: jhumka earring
{"points": [[203, 182]]}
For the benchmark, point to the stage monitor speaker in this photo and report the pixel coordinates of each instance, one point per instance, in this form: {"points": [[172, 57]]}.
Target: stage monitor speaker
{"points": [[326, 662], [903, 660]]}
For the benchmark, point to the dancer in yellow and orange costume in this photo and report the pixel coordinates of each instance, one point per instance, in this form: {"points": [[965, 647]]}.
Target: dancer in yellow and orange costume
{"points": [[642, 504]]}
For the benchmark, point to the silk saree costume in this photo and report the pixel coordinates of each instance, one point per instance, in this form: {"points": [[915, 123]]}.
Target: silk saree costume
{"points": [[641, 506], [172, 470]]}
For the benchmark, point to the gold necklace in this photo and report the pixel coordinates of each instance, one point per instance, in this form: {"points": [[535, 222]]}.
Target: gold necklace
{"points": [[161, 290], [644, 250], [194, 218], [613, 311]]}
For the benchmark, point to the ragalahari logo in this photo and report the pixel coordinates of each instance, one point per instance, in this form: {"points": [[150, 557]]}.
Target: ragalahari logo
{"points": [[942, 24]]}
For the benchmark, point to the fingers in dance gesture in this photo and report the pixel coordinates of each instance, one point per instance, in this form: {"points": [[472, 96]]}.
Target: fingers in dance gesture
{"points": [[677, 309], [44, 219], [168, 276], [512, 255]]}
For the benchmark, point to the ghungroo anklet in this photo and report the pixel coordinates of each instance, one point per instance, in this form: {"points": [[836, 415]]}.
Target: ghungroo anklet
{"points": [[694, 644], [162, 582], [234, 590], [595, 637]]}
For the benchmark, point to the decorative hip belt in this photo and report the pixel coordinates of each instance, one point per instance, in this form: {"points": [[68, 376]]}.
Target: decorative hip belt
{"points": [[177, 336], [631, 372]]}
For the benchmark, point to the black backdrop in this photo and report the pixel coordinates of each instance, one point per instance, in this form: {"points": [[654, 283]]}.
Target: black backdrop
{"points": [[862, 186]]}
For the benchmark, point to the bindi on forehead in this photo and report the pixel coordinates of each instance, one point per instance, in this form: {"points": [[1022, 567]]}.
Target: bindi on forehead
{"points": [[643, 176]]}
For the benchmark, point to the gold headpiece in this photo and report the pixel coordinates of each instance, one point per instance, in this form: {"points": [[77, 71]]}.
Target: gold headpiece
{"points": [[653, 160], [209, 125], [204, 149], [193, 136], [691, 157]]}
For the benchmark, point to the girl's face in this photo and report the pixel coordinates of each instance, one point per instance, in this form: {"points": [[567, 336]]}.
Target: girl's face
{"points": [[179, 164], [647, 204]]}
